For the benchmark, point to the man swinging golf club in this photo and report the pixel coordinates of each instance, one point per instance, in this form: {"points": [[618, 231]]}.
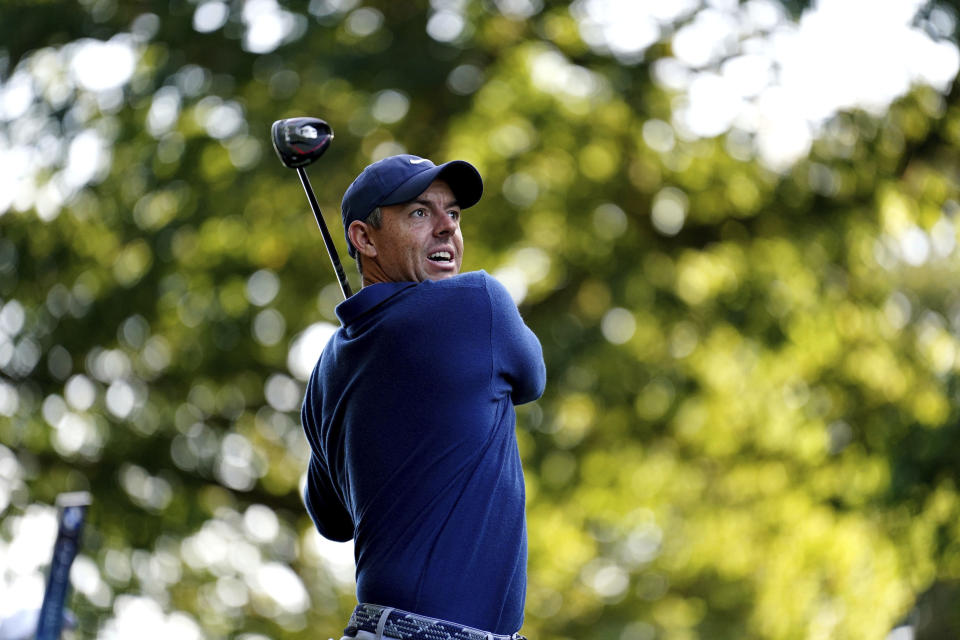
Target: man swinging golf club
{"points": [[410, 417]]}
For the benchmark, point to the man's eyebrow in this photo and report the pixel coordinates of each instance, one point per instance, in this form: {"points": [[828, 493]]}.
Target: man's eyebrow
{"points": [[427, 203]]}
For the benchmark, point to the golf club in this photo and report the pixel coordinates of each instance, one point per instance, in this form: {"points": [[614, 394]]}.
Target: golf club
{"points": [[299, 142], [73, 511]]}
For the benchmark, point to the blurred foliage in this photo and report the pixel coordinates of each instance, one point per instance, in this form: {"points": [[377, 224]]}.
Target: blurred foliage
{"points": [[750, 428]]}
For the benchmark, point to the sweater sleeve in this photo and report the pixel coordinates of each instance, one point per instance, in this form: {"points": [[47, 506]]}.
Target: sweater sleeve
{"points": [[320, 496], [328, 513], [517, 354]]}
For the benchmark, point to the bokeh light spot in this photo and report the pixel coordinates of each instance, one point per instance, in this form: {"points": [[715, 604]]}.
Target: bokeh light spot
{"points": [[210, 16]]}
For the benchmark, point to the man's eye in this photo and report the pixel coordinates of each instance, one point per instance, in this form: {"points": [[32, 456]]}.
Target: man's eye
{"points": [[454, 214], [418, 213]]}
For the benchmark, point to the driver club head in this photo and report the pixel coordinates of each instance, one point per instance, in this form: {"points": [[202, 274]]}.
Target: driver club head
{"points": [[300, 141]]}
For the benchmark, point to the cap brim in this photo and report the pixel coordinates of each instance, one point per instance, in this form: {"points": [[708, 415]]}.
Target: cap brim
{"points": [[463, 178]]}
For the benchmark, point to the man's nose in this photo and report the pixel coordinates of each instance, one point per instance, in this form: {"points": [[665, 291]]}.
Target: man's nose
{"points": [[445, 224]]}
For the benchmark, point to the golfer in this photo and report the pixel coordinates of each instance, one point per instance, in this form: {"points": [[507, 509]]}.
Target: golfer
{"points": [[410, 417]]}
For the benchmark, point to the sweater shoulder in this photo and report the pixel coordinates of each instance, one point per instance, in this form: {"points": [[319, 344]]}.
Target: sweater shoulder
{"points": [[477, 280], [470, 279]]}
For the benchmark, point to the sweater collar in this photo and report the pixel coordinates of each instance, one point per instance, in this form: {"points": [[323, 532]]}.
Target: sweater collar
{"points": [[367, 298]]}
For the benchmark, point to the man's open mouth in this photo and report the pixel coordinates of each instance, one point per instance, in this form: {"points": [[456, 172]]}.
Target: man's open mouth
{"points": [[440, 256]]}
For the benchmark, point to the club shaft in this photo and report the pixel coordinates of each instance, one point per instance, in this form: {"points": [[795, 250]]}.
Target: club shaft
{"points": [[327, 240], [73, 510]]}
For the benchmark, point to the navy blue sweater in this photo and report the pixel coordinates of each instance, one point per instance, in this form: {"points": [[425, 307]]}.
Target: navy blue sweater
{"points": [[410, 418]]}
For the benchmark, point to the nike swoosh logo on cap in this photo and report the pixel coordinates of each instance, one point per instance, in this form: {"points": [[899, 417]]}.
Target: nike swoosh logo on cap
{"points": [[418, 160]]}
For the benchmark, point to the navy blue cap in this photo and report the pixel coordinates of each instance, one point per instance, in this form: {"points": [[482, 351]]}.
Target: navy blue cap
{"points": [[400, 179]]}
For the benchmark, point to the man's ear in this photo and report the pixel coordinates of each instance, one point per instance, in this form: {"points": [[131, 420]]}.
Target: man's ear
{"points": [[360, 238]]}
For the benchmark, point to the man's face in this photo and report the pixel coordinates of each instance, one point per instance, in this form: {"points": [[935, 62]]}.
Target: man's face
{"points": [[420, 240]]}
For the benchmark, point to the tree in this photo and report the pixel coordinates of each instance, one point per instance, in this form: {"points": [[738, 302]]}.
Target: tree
{"points": [[751, 415]]}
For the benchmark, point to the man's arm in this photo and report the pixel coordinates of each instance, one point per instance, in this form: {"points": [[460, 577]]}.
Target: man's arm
{"points": [[320, 494], [518, 355], [332, 519]]}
